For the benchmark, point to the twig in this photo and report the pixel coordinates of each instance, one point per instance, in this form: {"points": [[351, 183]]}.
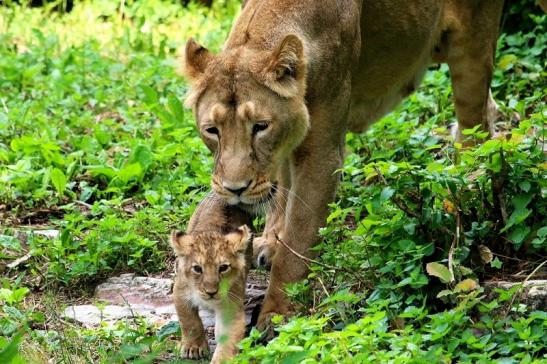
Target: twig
{"points": [[534, 271], [507, 257], [309, 260], [85, 204], [6, 110], [323, 286], [20, 260], [517, 293], [497, 188], [455, 241]]}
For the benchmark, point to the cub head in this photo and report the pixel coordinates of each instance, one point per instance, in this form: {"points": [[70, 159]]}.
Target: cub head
{"points": [[210, 262], [250, 111]]}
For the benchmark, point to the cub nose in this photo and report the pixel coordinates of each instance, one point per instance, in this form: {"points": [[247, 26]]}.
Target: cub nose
{"points": [[236, 188], [211, 293]]}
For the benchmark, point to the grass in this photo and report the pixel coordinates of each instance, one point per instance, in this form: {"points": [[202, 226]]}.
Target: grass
{"points": [[95, 142]]}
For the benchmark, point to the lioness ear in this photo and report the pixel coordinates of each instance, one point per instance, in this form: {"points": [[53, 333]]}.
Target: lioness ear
{"points": [[240, 239], [285, 72], [180, 242], [196, 59]]}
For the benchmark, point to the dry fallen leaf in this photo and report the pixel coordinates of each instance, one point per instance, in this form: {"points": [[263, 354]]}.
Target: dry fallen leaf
{"points": [[449, 207], [486, 254], [467, 285]]}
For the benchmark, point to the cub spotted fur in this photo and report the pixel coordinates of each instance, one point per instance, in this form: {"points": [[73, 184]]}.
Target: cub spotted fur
{"points": [[213, 260]]}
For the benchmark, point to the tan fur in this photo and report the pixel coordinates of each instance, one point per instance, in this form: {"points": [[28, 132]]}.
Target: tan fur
{"points": [[211, 245], [314, 69]]}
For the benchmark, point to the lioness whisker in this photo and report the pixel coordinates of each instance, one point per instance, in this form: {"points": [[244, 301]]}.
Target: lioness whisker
{"points": [[289, 192]]}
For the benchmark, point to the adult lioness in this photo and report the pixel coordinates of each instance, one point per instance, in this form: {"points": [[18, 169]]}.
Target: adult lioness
{"points": [[296, 75]]}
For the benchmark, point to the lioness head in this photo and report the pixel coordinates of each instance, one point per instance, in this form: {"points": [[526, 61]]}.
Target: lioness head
{"points": [[250, 110], [210, 262]]}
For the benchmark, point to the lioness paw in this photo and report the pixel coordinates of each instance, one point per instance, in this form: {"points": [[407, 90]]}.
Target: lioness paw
{"points": [[267, 327], [263, 251], [197, 350]]}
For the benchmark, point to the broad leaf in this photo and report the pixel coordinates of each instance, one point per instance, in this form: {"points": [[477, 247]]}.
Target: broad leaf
{"points": [[59, 180], [440, 271]]}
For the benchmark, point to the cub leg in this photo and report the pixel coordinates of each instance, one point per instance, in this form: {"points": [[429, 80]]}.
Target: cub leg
{"points": [[229, 331], [264, 246], [471, 47], [193, 344]]}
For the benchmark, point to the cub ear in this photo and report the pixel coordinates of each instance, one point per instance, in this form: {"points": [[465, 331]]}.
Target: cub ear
{"points": [[180, 242], [196, 59], [241, 239], [285, 73]]}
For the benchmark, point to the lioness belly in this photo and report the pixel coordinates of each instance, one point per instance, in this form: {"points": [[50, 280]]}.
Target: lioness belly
{"points": [[397, 38]]}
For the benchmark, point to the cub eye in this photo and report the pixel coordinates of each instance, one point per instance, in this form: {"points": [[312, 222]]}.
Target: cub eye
{"points": [[197, 269], [212, 130], [223, 268], [258, 127]]}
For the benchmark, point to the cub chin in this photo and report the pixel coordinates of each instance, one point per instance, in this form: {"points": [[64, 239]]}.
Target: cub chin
{"points": [[213, 259]]}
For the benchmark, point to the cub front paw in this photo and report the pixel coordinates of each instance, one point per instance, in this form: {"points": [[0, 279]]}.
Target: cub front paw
{"points": [[194, 350], [264, 248]]}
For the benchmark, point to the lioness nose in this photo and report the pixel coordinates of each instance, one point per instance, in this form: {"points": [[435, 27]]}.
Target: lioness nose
{"points": [[236, 188]]}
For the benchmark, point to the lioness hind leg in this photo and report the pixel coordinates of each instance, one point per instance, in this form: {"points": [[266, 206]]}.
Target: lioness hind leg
{"points": [[471, 46]]}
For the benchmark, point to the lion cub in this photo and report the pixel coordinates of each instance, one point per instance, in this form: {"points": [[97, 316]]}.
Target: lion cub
{"points": [[213, 259]]}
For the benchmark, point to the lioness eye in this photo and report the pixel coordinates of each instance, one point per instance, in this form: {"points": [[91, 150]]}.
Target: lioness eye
{"points": [[197, 269], [258, 127], [223, 268], [212, 130]]}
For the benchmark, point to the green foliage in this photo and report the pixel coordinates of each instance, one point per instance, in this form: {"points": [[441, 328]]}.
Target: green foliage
{"points": [[516, 16], [95, 142]]}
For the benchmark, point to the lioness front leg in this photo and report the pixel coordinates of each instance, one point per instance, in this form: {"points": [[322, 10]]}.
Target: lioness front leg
{"points": [[313, 185], [264, 247], [193, 344]]}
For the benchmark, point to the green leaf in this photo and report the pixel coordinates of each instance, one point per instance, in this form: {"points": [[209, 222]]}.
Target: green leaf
{"points": [[142, 155], [516, 217], [525, 186], [444, 293], [172, 328], [386, 194], [520, 213], [506, 62], [295, 357], [59, 180], [518, 235], [496, 263], [440, 271], [151, 98], [129, 172], [521, 201], [11, 352], [175, 107]]}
